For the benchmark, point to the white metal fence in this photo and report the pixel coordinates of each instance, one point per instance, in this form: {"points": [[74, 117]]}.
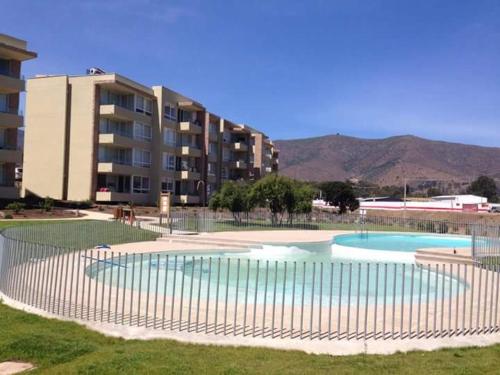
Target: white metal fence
{"points": [[208, 221]]}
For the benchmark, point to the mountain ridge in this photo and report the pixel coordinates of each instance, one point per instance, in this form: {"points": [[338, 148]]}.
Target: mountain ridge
{"points": [[385, 161]]}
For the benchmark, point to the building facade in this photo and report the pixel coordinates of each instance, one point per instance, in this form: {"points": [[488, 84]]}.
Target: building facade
{"points": [[114, 140], [13, 52]]}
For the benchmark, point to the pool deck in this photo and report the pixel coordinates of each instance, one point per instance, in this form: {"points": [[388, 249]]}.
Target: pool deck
{"points": [[170, 243]]}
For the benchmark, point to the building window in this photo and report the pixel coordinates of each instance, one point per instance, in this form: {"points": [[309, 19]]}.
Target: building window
{"points": [[142, 158], [143, 105], [210, 190], [168, 161], [213, 128], [212, 148], [211, 169], [142, 131], [226, 137], [169, 137], [114, 155], [167, 185], [5, 67], [170, 112], [121, 100], [226, 156], [225, 172], [140, 184], [4, 103], [107, 126]]}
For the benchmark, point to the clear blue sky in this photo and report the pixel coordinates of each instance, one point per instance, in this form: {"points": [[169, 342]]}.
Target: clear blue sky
{"points": [[291, 68]]}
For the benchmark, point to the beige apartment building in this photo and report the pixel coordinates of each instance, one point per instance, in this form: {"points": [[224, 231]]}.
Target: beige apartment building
{"points": [[13, 52], [106, 138]]}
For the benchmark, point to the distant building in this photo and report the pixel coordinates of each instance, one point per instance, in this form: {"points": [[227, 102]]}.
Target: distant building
{"points": [[452, 203]]}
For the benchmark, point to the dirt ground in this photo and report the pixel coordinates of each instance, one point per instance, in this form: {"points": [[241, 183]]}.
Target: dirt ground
{"points": [[37, 213]]}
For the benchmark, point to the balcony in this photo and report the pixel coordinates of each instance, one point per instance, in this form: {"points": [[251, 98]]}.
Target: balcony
{"points": [[187, 199], [188, 151], [117, 167], [189, 127], [10, 119], [111, 196], [111, 139], [239, 146], [10, 85], [117, 112], [187, 175], [211, 178], [238, 164], [9, 154]]}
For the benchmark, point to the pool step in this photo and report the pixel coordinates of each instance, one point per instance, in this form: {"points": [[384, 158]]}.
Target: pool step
{"points": [[212, 241], [424, 257]]}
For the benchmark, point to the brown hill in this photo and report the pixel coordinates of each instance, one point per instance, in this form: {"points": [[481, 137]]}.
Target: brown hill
{"points": [[385, 161]]}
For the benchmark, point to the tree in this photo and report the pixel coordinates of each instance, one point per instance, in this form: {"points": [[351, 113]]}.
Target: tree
{"points": [[233, 196], [484, 186], [301, 203], [275, 193], [341, 195], [215, 202], [433, 192]]}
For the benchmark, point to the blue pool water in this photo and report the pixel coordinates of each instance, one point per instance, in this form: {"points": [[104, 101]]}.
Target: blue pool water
{"points": [[400, 242], [292, 272]]}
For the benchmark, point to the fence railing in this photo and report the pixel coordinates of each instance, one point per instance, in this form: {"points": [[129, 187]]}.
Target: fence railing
{"points": [[255, 298], [208, 221], [485, 237]]}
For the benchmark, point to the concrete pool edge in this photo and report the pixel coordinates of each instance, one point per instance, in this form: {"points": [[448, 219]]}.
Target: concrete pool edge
{"points": [[329, 347]]}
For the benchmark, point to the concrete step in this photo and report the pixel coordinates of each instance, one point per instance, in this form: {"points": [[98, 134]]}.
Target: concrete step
{"points": [[426, 259], [210, 242], [441, 254], [205, 239]]}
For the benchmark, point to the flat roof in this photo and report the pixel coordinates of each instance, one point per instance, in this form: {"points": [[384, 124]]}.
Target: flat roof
{"points": [[14, 48]]}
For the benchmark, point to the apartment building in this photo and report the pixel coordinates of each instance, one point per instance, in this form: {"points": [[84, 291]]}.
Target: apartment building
{"points": [[265, 155], [13, 52], [114, 140]]}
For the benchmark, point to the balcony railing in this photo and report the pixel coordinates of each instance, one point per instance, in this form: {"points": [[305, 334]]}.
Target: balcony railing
{"points": [[12, 111], [187, 169], [120, 161], [10, 147]]}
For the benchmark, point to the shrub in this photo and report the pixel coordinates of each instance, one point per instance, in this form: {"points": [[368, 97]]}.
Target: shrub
{"points": [[16, 207], [442, 228], [8, 216], [47, 204]]}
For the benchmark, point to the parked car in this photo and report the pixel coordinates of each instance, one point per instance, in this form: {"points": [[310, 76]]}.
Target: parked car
{"points": [[495, 209]]}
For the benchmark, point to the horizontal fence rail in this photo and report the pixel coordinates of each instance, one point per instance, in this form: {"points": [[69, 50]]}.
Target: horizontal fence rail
{"points": [[234, 295], [208, 221]]}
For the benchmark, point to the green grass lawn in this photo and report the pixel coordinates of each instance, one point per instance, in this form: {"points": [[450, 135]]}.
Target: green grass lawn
{"points": [[57, 347], [79, 234]]}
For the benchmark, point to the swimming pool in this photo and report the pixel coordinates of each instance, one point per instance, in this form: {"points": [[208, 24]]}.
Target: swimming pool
{"points": [[401, 242], [392, 247], [305, 273]]}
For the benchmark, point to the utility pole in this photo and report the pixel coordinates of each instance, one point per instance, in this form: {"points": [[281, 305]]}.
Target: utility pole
{"points": [[404, 200]]}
